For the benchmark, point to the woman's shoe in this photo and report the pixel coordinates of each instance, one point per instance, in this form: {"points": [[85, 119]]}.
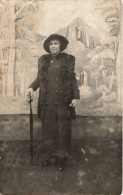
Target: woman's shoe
{"points": [[50, 160], [53, 159]]}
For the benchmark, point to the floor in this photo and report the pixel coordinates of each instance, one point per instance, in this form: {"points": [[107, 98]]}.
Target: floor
{"points": [[94, 168]]}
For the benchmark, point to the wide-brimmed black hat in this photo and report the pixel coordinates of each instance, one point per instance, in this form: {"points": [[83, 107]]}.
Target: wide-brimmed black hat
{"points": [[63, 42]]}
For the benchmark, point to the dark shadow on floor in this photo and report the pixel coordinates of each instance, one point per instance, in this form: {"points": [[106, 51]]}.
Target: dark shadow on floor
{"points": [[94, 168]]}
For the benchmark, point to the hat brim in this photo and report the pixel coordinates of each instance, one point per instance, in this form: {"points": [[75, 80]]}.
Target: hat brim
{"points": [[63, 42]]}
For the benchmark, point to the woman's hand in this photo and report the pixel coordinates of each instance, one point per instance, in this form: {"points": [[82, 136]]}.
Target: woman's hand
{"points": [[30, 91], [74, 103]]}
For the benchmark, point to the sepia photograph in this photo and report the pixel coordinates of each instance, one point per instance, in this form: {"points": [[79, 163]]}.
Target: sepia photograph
{"points": [[60, 97]]}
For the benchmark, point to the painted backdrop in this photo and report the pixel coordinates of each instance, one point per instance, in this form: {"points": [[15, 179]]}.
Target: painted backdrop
{"points": [[93, 29]]}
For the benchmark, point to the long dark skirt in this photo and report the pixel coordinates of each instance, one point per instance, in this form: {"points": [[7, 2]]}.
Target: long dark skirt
{"points": [[56, 131]]}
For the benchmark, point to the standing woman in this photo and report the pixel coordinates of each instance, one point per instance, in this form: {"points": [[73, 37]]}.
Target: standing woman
{"points": [[58, 96]]}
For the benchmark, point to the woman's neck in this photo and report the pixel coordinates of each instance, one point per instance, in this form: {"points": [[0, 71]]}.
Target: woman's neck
{"points": [[54, 55]]}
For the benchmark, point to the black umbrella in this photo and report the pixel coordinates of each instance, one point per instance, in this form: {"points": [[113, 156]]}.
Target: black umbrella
{"points": [[31, 127]]}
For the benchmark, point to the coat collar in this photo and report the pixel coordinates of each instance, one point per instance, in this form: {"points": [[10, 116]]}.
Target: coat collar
{"points": [[55, 57], [61, 57]]}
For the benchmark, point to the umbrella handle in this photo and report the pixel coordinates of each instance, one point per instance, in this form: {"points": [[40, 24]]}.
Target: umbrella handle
{"points": [[30, 98]]}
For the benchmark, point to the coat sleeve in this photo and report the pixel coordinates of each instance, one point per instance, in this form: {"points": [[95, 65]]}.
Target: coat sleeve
{"points": [[75, 91], [36, 83]]}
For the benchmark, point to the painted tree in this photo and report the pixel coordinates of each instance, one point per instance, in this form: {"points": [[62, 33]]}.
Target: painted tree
{"points": [[12, 48], [4, 43], [111, 12], [14, 15]]}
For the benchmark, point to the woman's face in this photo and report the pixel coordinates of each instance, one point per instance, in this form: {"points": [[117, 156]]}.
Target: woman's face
{"points": [[54, 47]]}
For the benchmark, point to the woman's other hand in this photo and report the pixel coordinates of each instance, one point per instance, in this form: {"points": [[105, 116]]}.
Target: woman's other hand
{"points": [[74, 102]]}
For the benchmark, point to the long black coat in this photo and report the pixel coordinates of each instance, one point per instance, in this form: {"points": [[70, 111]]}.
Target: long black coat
{"points": [[58, 87]]}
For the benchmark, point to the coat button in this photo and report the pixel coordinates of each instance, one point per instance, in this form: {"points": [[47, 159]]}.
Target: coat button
{"points": [[56, 91], [56, 80], [47, 78], [46, 103], [51, 61], [47, 91], [56, 103]]}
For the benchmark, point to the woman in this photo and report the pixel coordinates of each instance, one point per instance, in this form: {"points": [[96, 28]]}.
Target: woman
{"points": [[58, 96]]}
